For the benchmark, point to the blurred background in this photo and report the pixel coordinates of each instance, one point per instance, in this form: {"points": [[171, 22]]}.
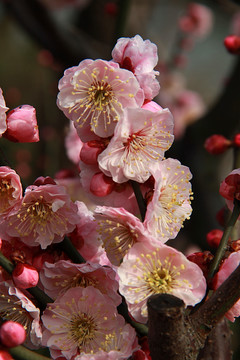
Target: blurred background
{"points": [[199, 78]]}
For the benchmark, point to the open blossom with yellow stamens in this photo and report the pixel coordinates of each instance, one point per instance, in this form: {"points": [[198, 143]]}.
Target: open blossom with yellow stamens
{"points": [[119, 345], [94, 95], [10, 189], [170, 204], [43, 216], [150, 269], [139, 143], [118, 230], [15, 306], [57, 278], [82, 321]]}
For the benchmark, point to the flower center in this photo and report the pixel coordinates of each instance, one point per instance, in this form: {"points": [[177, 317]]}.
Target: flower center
{"points": [[82, 329], [77, 280], [160, 280], [100, 94], [6, 191]]}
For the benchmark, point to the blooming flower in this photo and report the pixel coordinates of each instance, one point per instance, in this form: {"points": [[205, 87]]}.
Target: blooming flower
{"points": [[57, 278], [170, 204], [118, 230], [149, 269], [44, 216], [15, 306], [139, 142], [230, 186], [140, 57], [94, 95], [227, 267], [10, 188], [3, 109], [119, 346], [198, 20], [22, 125], [83, 320], [73, 144]]}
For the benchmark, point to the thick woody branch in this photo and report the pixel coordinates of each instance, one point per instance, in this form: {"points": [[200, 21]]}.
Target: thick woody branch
{"points": [[176, 336]]}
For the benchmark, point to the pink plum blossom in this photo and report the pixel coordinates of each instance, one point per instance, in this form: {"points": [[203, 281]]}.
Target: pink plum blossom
{"points": [[138, 144], [44, 216], [186, 105], [73, 144], [11, 188], [227, 267], [140, 57], [118, 230], [197, 21], [230, 188], [187, 108], [57, 278], [3, 110], [15, 306], [22, 125], [149, 269], [119, 346], [94, 95], [83, 237], [83, 320], [170, 204]]}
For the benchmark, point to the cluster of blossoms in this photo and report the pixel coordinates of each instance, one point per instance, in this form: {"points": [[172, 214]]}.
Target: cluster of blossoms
{"points": [[118, 138]]}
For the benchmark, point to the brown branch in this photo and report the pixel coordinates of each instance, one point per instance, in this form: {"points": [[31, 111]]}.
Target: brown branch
{"points": [[176, 336]]}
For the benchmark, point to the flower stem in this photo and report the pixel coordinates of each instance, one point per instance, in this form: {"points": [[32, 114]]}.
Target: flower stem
{"points": [[6, 264], [22, 353], [224, 241], [70, 250], [141, 329], [140, 200]]}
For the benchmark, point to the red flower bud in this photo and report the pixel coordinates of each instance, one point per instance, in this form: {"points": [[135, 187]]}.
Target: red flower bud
{"points": [[202, 259], [90, 151], [236, 140], [101, 185], [232, 44], [230, 187], [217, 144], [4, 355], [214, 237], [12, 334], [25, 276]]}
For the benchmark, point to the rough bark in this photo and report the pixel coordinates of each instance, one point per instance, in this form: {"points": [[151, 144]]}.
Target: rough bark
{"points": [[176, 335]]}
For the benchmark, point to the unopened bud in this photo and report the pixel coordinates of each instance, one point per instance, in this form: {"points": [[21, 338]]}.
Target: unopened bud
{"points": [[25, 276], [232, 44], [202, 259], [217, 144], [4, 355], [214, 237], [12, 334], [90, 151], [236, 140], [101, 185], [22, 125]]}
